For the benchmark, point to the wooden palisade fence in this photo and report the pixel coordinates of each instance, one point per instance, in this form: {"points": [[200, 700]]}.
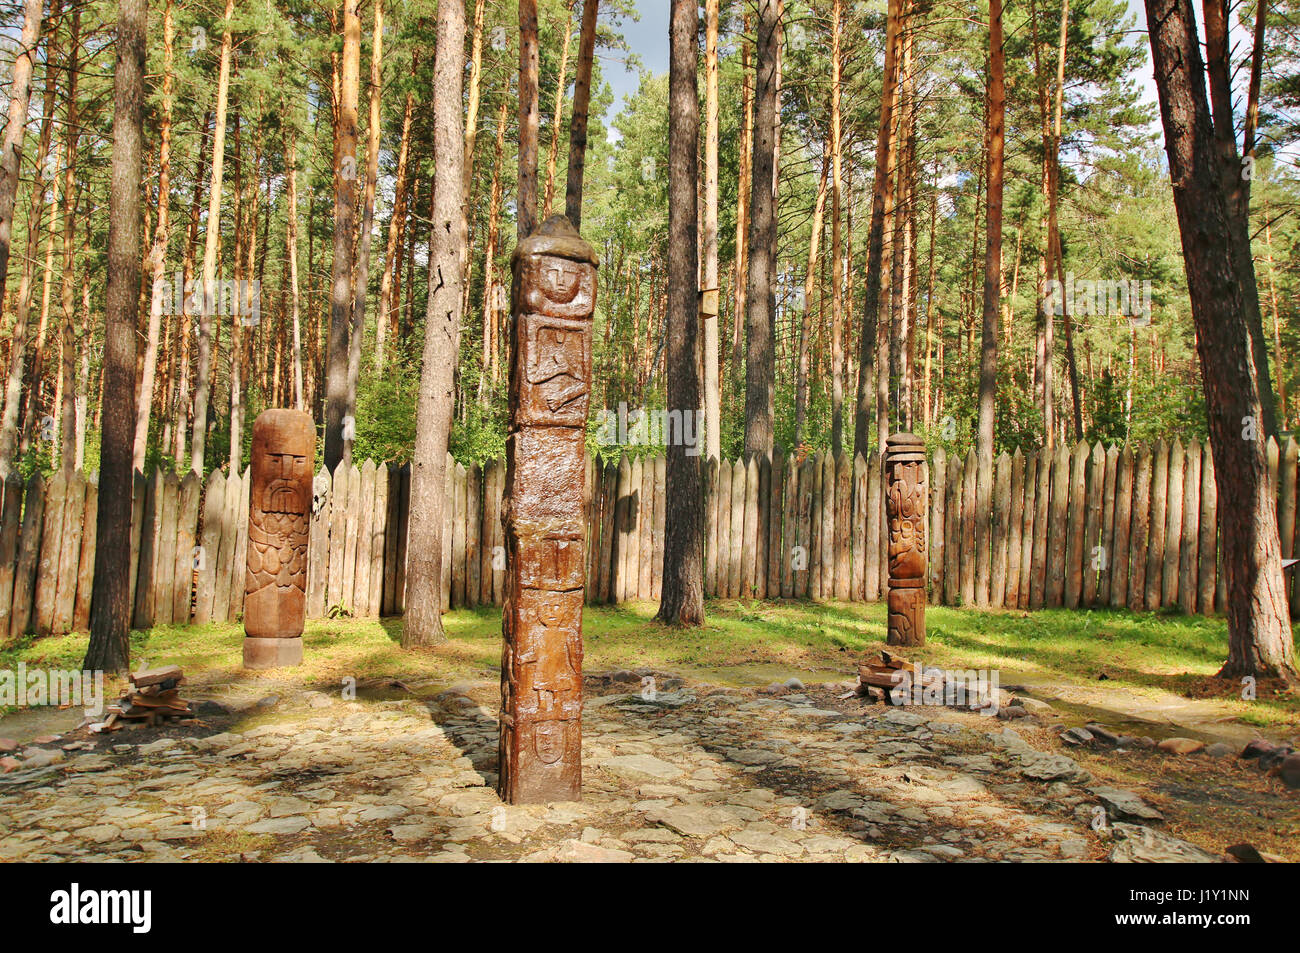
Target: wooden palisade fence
{"points": [[1128, 527]]}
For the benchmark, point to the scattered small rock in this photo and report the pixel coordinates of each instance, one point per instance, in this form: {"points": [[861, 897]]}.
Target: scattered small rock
{"points": [[1077, 736], [580, 852], [1181, 746], [40, 757], [1271, 759], [1121, 805], [1244, 854], [1220, 750], [641, 767], [1143, 845], [1032, 705], [1289, 771], [1103, 734], [279, 825], [1257, 748]]}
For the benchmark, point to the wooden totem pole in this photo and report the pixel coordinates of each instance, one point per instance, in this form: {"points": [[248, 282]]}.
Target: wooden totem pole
{"points": [[279, 519], [554, 295], [906, 503]]}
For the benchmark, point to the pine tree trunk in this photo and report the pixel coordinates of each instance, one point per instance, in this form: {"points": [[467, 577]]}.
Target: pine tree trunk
{"points": [[110, 611], [709, 241], [837, 263], [182, 405], [1236, 185], [488, 371], [203, 369], [475, 81], [20, 91], [345, 215], [1057, 253], [158, 254], [291, 243], [71, 189], [471, 139], [1259, 629], [578, 119], [875, 237], [441, 331], [392, 263], [760, 321], [526, 203], [1044, 318], [805, 326], [361, 277], [992, 248], [743, 186], [682, 596], [1280, 356], [35, 211], [557, 114]]}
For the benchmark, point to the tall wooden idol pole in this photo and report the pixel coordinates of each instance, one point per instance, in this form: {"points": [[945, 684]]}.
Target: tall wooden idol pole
{"points": [[906, 502], [279, 528], [553, 299]]}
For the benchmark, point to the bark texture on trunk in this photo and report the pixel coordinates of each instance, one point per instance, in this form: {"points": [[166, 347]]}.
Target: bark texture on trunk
{"points": [[345, 214], [760, 321], [875, 239], [578, 119], [682, 598], [110, 612], [1259, 626], [423, 625]]}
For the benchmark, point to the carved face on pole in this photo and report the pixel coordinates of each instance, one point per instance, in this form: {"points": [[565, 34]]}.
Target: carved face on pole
{"points": [[550, 387], [279, 519]]}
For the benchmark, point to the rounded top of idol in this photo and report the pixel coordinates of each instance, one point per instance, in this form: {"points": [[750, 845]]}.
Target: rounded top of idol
{"points": [[556, 236]]}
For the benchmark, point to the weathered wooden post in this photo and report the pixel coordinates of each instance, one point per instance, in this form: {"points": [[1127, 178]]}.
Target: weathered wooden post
{"points": [[554, 295], [906, 503], [279, 519]]}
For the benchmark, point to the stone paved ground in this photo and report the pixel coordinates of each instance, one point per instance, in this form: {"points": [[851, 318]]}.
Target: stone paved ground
{"points": [[698, 773]]}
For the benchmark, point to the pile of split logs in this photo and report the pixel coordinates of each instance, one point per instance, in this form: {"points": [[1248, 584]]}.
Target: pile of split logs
{"points": [[886, 673], [154, 696], [896, 681]]}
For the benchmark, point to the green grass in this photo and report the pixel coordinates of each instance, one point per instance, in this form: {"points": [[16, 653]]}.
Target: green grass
{"points": [[1153, 655]]}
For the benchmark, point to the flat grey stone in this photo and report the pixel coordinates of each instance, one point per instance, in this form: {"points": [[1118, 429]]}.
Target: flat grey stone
{"points": [[1052, 767], [279, 825], [1121, 805], [640, 767], [1143, 845], [696, 820]]}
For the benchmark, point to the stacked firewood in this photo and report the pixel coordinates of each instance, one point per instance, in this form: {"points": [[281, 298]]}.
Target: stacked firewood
{"points": [[154, 696], [886, 673]]}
